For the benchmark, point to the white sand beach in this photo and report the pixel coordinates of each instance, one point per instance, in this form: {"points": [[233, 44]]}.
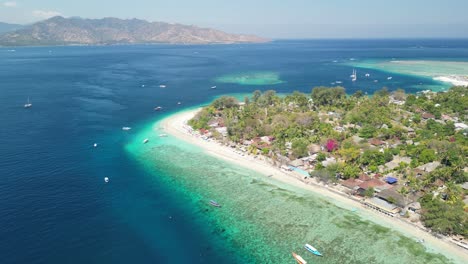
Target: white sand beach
{"points": [[453, 79], [175, 125]]}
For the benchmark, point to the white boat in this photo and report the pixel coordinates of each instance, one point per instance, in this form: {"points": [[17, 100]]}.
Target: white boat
{"points": [[162, 135], [158, 108], [162, 86], [367, 75], [389, 78], [142, 85], [126, 128], [214, 203], [312, 250], [338, 82], [299, 259], [95, 145], [28, 104], [106, 179], [354, 76], [145, 141], [213, 87], [376, 80], [179, 103]]}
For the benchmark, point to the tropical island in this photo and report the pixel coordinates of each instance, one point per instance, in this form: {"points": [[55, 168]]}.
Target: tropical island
{"points": [[403, 155]]}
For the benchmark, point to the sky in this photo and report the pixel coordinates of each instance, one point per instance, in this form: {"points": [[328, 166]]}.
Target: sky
{"points": [[269, 18]]}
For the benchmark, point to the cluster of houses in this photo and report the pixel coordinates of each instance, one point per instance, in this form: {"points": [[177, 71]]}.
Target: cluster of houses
{"points": [[387, 198]]}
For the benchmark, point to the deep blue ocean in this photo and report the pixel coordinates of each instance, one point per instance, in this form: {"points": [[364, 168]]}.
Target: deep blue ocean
{"points": [[54, 204]]}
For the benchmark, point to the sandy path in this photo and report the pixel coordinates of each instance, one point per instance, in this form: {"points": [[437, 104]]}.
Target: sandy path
{"points": [[175, 126]]}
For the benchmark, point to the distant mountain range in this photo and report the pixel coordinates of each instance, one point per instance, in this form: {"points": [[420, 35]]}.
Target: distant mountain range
{"points": [[78, 31], [5, 27]]}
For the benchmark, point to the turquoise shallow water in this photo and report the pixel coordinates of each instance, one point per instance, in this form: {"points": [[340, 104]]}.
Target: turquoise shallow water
{"points": [[264, 220], [425, 69]]}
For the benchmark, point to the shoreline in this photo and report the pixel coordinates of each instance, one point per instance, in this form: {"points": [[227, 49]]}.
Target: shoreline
{"points": [[453, 79], [175, 125]]}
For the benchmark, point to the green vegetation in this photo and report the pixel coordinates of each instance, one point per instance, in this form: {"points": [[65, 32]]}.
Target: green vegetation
{"points": [[369, 192], [360, 134], [443, 217]]}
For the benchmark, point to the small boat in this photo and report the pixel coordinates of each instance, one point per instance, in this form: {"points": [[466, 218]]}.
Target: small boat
{"points": [[367, 75], [376, 80], [214, 203], [126, 128], [145, 141], [299, 259], [162, 86], [162, 135], [95, 145], [354, 76], [28, 104], [312, 250], [389, 78], [213, 87], [142, 85], [178, 103], [338, 82], [106, 179], [158, 108]]}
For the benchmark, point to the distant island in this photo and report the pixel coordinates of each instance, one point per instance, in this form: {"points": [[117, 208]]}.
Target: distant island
{"points": [[6, 27], [107, 31]]}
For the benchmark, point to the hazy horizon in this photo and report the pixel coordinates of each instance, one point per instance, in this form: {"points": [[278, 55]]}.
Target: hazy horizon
{"points": [[297, 19]]}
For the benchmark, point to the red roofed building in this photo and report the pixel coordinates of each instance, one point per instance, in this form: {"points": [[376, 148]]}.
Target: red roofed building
{"points": [[369, 184], [376, 142], [363, 177], [351, 183]]}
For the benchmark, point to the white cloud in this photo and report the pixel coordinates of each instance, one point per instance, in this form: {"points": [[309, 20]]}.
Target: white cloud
{"points": [[44, 14], [10, 4]]}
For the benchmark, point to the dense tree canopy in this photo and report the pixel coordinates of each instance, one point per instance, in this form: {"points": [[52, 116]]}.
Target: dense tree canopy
{"points": [[341, 128], [328, 96]]}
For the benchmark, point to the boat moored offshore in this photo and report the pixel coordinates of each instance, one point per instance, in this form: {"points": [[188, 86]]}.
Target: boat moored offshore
{"points": [[299, 259], [214, 203], [354, 76], [312, 250], [28, 104]]}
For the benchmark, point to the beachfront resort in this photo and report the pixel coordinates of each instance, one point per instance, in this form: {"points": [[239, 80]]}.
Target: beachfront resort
{"points": [[402, 155]]}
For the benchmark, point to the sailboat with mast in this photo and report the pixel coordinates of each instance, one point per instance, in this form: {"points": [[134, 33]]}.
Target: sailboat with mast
{"points": [[354, 76], [28, 104]]}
